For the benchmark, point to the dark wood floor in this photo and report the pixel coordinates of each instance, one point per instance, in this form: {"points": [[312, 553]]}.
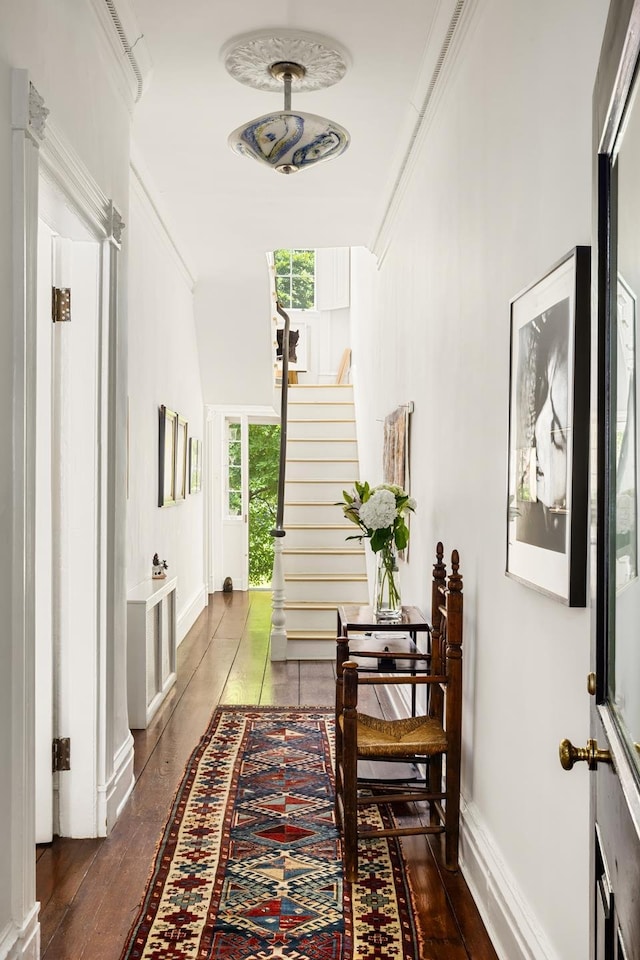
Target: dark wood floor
{"points": [[89, 890]]}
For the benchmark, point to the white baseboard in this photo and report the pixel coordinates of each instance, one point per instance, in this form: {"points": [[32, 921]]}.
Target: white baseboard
{"points": [[514, 931], [118, 789], [22, 943], [191, 612]]}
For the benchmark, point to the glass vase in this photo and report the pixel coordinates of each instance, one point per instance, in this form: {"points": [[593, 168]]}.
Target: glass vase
{"points": [[387, 602]]}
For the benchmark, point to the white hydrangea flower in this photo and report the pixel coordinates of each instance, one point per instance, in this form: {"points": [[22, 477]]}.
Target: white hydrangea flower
{"points": [[379, 511]]}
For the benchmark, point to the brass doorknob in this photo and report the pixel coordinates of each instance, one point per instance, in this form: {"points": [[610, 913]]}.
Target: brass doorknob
{"points": [[570, 754]]}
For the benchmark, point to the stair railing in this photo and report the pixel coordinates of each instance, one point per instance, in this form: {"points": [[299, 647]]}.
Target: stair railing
{"points": [[278, 618]]}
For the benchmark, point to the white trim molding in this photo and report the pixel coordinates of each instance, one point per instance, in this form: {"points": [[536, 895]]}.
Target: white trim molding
{"points": [[28, 116], [125, 45], [37, 151], [512, 927], [191, 612], [22, 942], [442, 54], [113, 797], [143, 187]]}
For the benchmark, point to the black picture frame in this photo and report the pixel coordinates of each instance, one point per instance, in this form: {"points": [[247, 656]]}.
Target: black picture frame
{"points": [[548, 458]]}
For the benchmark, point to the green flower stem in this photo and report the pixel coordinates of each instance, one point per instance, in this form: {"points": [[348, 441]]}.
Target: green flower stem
{"points": [[388, 588]]}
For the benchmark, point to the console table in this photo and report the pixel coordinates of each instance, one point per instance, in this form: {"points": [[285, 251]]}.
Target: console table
{"points": [[380, 650], [151, 648]]}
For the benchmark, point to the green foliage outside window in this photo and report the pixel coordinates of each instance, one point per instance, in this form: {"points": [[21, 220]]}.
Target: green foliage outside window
{"points": [[264, 454], [296, 278]]}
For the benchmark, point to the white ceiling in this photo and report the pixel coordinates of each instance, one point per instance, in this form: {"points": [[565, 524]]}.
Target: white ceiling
{"points": [[224, 207]]}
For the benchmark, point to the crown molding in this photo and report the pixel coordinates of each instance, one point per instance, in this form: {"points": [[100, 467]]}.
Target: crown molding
{"points": [[440, 62], [126, 46], [144, 187]]}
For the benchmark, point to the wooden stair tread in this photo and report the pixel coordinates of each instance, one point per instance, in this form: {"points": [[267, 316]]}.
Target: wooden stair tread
{"points": [[326, 551], [312, 605], [319, 526], [319, 480], [310, 503], [313, 577], [311, 635]]}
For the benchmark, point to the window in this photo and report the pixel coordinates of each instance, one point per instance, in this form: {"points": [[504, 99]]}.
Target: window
{"points": [[296, 278], [234, 469]]}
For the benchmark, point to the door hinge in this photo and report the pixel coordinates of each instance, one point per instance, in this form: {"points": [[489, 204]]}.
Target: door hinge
{"points": [[61, 754], [60, 304]]}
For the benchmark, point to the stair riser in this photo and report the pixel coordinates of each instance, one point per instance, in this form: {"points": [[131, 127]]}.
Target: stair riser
{"points": [[311, 619], [316, 537], [318, 428], [328, 490], [321, 391], [313, 513], [314, 469], [314, 410], [328, 449], [309, 563], [341, 591]]}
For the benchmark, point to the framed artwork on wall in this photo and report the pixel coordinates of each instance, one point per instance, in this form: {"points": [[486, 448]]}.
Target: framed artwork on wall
{"points": [[195, 465], [182, 432], [298, 339], [167, 457], [549, 431]]}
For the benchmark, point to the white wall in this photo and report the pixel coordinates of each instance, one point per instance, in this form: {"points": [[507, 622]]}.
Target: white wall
{"points": [[500, 191], [163, 369], [234, 334]]}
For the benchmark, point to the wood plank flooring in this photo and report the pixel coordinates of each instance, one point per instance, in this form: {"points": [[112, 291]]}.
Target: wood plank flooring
{"points": [[89, 890]]}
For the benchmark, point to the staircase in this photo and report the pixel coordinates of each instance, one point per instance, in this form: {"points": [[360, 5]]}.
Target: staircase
{"points": [[321, 568]]}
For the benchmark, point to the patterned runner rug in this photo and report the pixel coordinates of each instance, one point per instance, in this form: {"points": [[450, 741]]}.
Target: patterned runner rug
{"points": [[249, 866]]}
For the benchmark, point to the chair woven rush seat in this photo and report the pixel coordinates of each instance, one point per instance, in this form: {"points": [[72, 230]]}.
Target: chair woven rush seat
{"points": [[387, 739], [421, 741]]}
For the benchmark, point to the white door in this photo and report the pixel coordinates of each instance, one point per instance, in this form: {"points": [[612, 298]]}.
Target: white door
{"points": [[235, 500], [68, 465], [44, 545]]}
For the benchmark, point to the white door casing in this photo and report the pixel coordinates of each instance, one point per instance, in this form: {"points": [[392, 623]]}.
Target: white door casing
{"points": [[38, 152]]}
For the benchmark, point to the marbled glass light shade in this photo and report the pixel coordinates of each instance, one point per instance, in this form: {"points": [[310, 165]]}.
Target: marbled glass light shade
{"points": [[288, 141]]}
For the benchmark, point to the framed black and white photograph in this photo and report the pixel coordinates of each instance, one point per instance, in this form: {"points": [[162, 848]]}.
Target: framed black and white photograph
{"points": [[549, 431], [167, 457], [195, 466]]}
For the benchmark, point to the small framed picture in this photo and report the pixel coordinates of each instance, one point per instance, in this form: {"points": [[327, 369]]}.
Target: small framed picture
{"points": [[195, 465], [549, 431], [298, 362], [167, 457], [181, 458]]}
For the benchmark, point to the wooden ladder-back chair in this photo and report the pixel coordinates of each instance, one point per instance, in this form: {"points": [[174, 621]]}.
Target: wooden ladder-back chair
{"points": [[417, 740]]}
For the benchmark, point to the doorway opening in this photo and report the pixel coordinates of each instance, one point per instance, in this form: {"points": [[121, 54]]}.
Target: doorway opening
{"points": [[264, 453]]}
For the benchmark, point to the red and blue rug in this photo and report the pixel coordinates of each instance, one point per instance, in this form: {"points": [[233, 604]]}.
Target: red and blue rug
{"points": [[249, 866]]}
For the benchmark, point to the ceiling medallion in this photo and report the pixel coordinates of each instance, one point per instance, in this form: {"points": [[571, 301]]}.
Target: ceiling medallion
{"points": [[287, 140]]}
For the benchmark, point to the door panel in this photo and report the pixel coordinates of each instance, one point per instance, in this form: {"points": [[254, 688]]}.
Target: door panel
{"points": [[615, 713], [44, 547]]}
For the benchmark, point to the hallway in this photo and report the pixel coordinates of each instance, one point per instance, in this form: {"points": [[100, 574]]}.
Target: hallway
{"points": [[89, 889]]}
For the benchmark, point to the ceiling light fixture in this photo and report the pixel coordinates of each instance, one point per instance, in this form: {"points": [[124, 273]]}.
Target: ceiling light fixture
{"points": [[287, 140]]}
